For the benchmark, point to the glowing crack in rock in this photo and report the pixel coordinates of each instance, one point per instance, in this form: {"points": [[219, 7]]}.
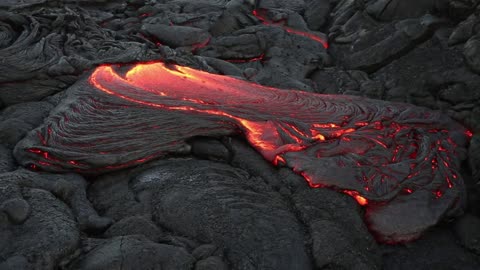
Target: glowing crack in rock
{"points": [[259, 14], [399, 161]]}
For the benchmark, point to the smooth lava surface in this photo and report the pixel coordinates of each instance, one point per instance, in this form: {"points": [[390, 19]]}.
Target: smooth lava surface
{"points": [[399, 161]]}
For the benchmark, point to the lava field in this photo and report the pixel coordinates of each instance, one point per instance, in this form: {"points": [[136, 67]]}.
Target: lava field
{"points": [[239, 134]]}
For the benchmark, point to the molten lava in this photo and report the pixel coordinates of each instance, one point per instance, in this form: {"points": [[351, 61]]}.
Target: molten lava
{"points": [[384, 155]]}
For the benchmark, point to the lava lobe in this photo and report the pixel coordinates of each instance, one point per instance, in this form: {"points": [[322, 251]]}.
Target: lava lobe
{"points": [[399, 161]]}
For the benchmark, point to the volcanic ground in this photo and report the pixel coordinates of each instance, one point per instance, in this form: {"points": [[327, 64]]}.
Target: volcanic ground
{"points": [[242, 134]]}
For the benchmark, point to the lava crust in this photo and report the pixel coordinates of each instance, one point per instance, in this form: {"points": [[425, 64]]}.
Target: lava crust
{"points": [[399, 161]]}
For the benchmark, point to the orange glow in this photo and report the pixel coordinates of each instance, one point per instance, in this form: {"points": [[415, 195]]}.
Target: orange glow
{"points": [[319, 137], [278, 160], [361, 200], [328, 125]]}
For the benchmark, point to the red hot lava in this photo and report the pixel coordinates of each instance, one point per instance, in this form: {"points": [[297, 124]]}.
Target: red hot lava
{"points": [[385, 155]]}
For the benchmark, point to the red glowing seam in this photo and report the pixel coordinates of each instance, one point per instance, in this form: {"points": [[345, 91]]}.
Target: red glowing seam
{"points": [[134, 162], [339, 133], [307, 35], [317, 135], [362, 124], [291, 30], [201, 45], [42, 138], [329, 125], [360, 199], [298, 140], [379, 143], [297, 130], [260, 17], [309, 180]]}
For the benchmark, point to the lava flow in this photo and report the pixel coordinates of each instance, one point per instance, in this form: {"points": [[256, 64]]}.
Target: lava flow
{"points": [[382, 154]]}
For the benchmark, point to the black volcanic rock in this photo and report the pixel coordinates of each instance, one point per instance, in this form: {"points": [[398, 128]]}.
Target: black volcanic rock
{"points": [[339, 238], [211, 263], [466, 228], [44, 238], [235, 16], [409, 33], [387, 10], [436, 250], [464, 30], [132, 252], [176, 36], [204, 251], [6, 159], [472, 53], [316, 15], [474, 157], [135, 225], [45, 53], [17, 120], [223, 206]]}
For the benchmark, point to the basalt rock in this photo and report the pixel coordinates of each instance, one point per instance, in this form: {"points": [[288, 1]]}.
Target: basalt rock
{"points": [[409, 33], [227, 207], [39, 61], [132, 252], [472, 52], [43, 238], [17, 120], [177, 36]]}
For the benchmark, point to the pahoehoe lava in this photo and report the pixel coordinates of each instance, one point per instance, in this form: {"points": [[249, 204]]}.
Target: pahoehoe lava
{"points": [[395, 159]]}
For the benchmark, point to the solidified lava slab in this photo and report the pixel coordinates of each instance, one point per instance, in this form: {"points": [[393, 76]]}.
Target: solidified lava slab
{"points": [[399, 161]]}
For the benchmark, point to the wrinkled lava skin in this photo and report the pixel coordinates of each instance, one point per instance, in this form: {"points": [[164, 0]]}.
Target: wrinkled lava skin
{"points": [[399, 161]]}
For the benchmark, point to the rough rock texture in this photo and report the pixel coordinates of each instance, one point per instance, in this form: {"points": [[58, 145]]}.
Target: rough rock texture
{"points": [[135, 225], [47, 232], [38, 62], [437, 249], [177, 36], [339, 239], [132, 252], [422, 52], [226, 207], [17, 120]]}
